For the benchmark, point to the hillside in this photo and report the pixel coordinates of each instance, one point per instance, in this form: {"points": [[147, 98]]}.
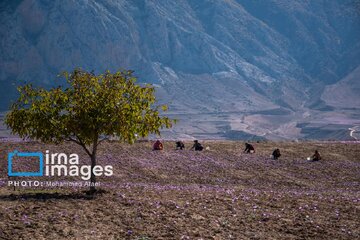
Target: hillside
{"points": [[220, 193], [237, 67]]}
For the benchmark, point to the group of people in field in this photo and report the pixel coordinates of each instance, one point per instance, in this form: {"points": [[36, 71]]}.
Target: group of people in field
{"points": [[249, 148], [179, 146]]}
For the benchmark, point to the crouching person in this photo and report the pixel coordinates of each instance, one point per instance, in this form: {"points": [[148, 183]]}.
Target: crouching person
{"points": [[316, 156], [158, 145], [197, 146], [180, 145]]}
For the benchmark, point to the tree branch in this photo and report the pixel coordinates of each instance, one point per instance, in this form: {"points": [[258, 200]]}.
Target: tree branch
{"points": [[106, 138], [70, 139], [81, 143]]}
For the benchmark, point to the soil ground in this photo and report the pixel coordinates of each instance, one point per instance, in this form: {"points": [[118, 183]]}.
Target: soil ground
{"points": [[219, 193]]}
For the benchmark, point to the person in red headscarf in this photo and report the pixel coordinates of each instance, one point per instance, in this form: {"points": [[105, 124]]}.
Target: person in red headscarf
{"points": [[158, 145]]}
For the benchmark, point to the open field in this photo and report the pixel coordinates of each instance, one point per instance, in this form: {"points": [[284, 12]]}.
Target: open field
{"points": [[216, 194]]}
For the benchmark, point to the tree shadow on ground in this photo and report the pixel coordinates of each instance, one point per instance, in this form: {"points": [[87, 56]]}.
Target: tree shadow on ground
{"points": [[48, 196]]}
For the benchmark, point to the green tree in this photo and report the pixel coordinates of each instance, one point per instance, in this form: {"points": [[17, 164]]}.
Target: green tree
{"points": [[89, 110]]}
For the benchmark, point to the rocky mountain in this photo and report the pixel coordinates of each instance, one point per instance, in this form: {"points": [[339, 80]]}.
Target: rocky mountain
{"points": [[227, 68]]}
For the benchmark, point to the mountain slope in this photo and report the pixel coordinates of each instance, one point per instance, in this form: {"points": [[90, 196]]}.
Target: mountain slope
{"points": [[204, 56], [345, 93]]}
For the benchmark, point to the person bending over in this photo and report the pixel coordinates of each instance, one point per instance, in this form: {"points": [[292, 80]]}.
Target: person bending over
{"points": [[249, 148], [276, 154]]}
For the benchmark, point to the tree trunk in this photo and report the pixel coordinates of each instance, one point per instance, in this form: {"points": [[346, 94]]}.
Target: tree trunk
{"points": [[93, 164], [93, 177], [92, 155]]}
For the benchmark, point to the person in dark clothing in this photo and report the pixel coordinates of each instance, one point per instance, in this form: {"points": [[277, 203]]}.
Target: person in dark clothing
{"points": [[276, 154], [180, 145], [316, 156], [197, 146], [249, 148], [158, 145]]}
